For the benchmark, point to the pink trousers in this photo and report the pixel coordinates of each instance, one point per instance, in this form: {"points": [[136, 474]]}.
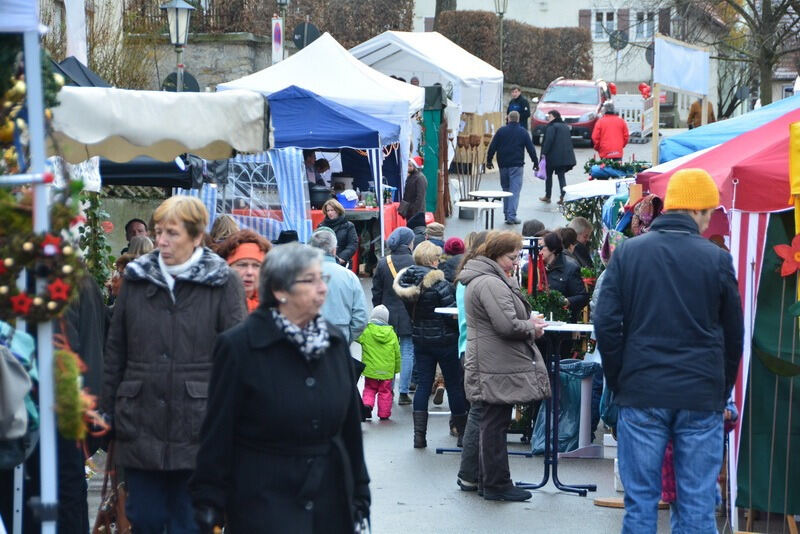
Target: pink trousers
{"points": [[381, 388]]}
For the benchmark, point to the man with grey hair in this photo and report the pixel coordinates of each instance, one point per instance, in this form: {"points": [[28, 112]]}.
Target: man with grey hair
{"points": [[345, 304], [510, 143], [584, 229]]}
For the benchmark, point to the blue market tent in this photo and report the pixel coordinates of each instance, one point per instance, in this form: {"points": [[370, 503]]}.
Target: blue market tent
{"points": [[304, 119], [719, 132]]}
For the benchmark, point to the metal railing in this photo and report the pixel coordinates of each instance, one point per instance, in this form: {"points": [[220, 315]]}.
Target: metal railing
{"points": [[220, 16]]}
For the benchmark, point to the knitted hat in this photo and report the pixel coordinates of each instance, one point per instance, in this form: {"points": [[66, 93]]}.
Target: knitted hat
{"points": [[435, 230], [380, 313], [454, 246], [691, 189], [400, 236]]}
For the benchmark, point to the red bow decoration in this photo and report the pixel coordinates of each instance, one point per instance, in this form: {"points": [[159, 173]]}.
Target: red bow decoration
{"points": [[790, 255]]}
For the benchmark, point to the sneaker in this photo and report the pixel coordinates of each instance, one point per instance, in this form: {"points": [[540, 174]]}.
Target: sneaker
{"points": [[545, 199], [412, 388], [510, 494], [560, 201], [438, 397], [403, 399], [383, 418], [514, 220], [466, 485]]}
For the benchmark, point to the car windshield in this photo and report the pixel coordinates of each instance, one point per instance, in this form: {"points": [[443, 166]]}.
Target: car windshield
{"points": [[571, 94]]}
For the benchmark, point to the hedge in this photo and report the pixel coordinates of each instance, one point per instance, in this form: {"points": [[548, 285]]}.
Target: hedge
{"points": [[532, 56]]}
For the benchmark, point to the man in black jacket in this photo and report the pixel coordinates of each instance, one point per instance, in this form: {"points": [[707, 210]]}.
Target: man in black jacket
{"points": [[510, 143], [519, 104], [669, 328]]}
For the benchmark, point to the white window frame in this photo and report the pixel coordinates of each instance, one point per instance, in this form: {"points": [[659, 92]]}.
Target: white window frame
{"points": [[602, 28], [644, 30]]}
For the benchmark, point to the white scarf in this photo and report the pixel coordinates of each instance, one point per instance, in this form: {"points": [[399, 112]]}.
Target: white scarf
{"points": [[170, 272]]}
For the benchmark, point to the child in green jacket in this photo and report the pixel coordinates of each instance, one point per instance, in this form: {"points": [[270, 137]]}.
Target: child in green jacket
{"points": [[380, 352]]}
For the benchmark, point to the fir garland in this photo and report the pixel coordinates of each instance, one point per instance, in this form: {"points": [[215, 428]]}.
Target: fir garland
{"points": [[549, 303], [629, 167]]}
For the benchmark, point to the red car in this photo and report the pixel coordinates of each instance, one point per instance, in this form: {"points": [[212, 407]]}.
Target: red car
{"points": [[578, 101]]}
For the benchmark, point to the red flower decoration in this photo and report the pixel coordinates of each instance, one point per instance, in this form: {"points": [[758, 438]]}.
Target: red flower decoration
{"points": [[59, 290], [790, 255], [3, 269], [50, 239], [21, 303]]}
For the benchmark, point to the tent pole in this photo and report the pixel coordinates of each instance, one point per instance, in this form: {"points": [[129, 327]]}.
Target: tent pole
{"points": [[656, 120], [48, 507]]}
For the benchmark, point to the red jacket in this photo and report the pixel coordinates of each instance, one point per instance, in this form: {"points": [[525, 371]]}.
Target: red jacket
{"points": [[610, 136]]}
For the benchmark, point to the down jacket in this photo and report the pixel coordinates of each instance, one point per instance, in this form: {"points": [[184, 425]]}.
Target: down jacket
{"points": [[158, 358], [422, 290], [502, 364]]}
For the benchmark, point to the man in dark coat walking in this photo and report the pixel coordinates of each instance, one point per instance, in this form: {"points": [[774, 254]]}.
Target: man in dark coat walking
{"points": [[669, 328], [519, 104], [399, 258], [414, 191], [510, 143]]}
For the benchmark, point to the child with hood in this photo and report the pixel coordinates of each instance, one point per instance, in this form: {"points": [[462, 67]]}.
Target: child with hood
{"points": [[381, 355]]}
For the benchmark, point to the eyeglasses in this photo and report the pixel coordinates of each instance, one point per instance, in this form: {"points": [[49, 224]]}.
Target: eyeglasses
{"points": [[514, 258], [315, 281]]}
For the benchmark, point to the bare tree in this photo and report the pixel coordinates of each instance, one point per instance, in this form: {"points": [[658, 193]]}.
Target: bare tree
{"points": [[443, 5]]}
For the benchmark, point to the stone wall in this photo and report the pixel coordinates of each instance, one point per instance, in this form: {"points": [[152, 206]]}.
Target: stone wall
{"points": [[215, 58]]}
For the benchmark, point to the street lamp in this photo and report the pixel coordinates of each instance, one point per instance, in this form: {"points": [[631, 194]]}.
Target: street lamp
{"points": [[178, 13], [500, 7], [282, 5]]}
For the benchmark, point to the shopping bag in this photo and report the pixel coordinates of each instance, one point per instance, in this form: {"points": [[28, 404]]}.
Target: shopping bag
{"points": [[542, 172]]}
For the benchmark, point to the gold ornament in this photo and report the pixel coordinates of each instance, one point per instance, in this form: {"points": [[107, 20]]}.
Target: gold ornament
{"points": [[66, 269], [6, 132], [8, 262], [37, 301], [52, 305], [67, 250], [59, 79], [3, 290], [27, 246]]}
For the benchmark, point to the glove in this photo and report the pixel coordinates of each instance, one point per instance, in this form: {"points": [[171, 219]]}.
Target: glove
{"points": [[490, 165], [209, 519]]}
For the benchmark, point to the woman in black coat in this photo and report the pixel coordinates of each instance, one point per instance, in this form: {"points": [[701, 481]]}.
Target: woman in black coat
{"points": [[564, 275], [557, 149], [399, 244], [346, 236], [281, 444]]}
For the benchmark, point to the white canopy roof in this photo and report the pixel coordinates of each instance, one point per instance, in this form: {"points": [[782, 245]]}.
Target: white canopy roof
{"points": [[121, 124], [433, 58], [18, 16]]}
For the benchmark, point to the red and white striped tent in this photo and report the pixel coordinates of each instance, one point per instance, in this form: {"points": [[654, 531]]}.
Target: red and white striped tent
{"points": [[752, 173]]}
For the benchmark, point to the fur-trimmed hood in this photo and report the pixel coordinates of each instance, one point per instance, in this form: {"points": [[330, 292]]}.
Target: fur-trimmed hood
{"points": [[412, 281], [210, 270]]}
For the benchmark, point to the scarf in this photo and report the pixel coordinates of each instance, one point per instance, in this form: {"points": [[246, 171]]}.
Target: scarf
{"points": [[172, 271], [311, 341]]}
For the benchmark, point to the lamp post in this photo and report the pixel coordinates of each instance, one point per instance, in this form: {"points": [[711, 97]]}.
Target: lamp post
{"points": [[282, 5], [500, 7], [178, 13]]}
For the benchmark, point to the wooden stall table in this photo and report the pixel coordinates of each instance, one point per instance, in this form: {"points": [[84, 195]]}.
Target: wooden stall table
{"points": [[490, 196]]}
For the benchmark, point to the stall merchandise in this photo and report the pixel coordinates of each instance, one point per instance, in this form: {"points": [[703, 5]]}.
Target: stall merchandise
{"points": [[473, 84], [327, 69]]}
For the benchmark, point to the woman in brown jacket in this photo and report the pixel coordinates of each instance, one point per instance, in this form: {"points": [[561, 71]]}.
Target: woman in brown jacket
{"points": [[173, 303], [502, 365]]}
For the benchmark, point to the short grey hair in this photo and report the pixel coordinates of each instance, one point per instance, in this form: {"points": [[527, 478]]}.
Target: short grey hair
{"points": [[325, 241], [281, 267], [581, 225], [513, 116]]}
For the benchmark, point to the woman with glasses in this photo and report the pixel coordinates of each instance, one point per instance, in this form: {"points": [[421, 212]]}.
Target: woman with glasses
{"points": [[281, 443], [502, 366]]}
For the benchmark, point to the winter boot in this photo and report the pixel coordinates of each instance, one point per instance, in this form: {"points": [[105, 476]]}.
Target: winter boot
{"points": [[420, 429], [460, 422]]}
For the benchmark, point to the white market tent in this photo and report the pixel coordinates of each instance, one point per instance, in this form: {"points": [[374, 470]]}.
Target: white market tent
{"points": [[433, 58], [120, 124], [324, 67]]}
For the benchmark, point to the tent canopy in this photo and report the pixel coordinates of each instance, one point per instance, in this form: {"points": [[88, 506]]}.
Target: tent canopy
{"points": [[756, 161], [433, 58], [303, 119], [721, 131], [78, 73], [120, 124]]}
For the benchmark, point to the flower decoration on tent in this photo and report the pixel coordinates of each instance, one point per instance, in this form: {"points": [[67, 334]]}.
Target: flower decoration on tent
{"points": [[790, 255]]}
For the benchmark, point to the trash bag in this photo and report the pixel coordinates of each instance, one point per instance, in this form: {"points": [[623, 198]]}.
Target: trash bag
{"points": [[569, 412], [609, 410]]}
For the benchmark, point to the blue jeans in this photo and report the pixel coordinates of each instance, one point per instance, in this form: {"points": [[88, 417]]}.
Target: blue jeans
{"points": [[697, 437], [511, 180], [159, 500], [406, 362], [427, 357]]}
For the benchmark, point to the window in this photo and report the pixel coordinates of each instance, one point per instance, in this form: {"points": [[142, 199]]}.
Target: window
{"points": [[572, 94], [645, 25], [788, 90], [604, 24]]}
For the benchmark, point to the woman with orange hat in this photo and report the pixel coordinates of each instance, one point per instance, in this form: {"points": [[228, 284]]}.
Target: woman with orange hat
{"points": [[245, 251]]}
